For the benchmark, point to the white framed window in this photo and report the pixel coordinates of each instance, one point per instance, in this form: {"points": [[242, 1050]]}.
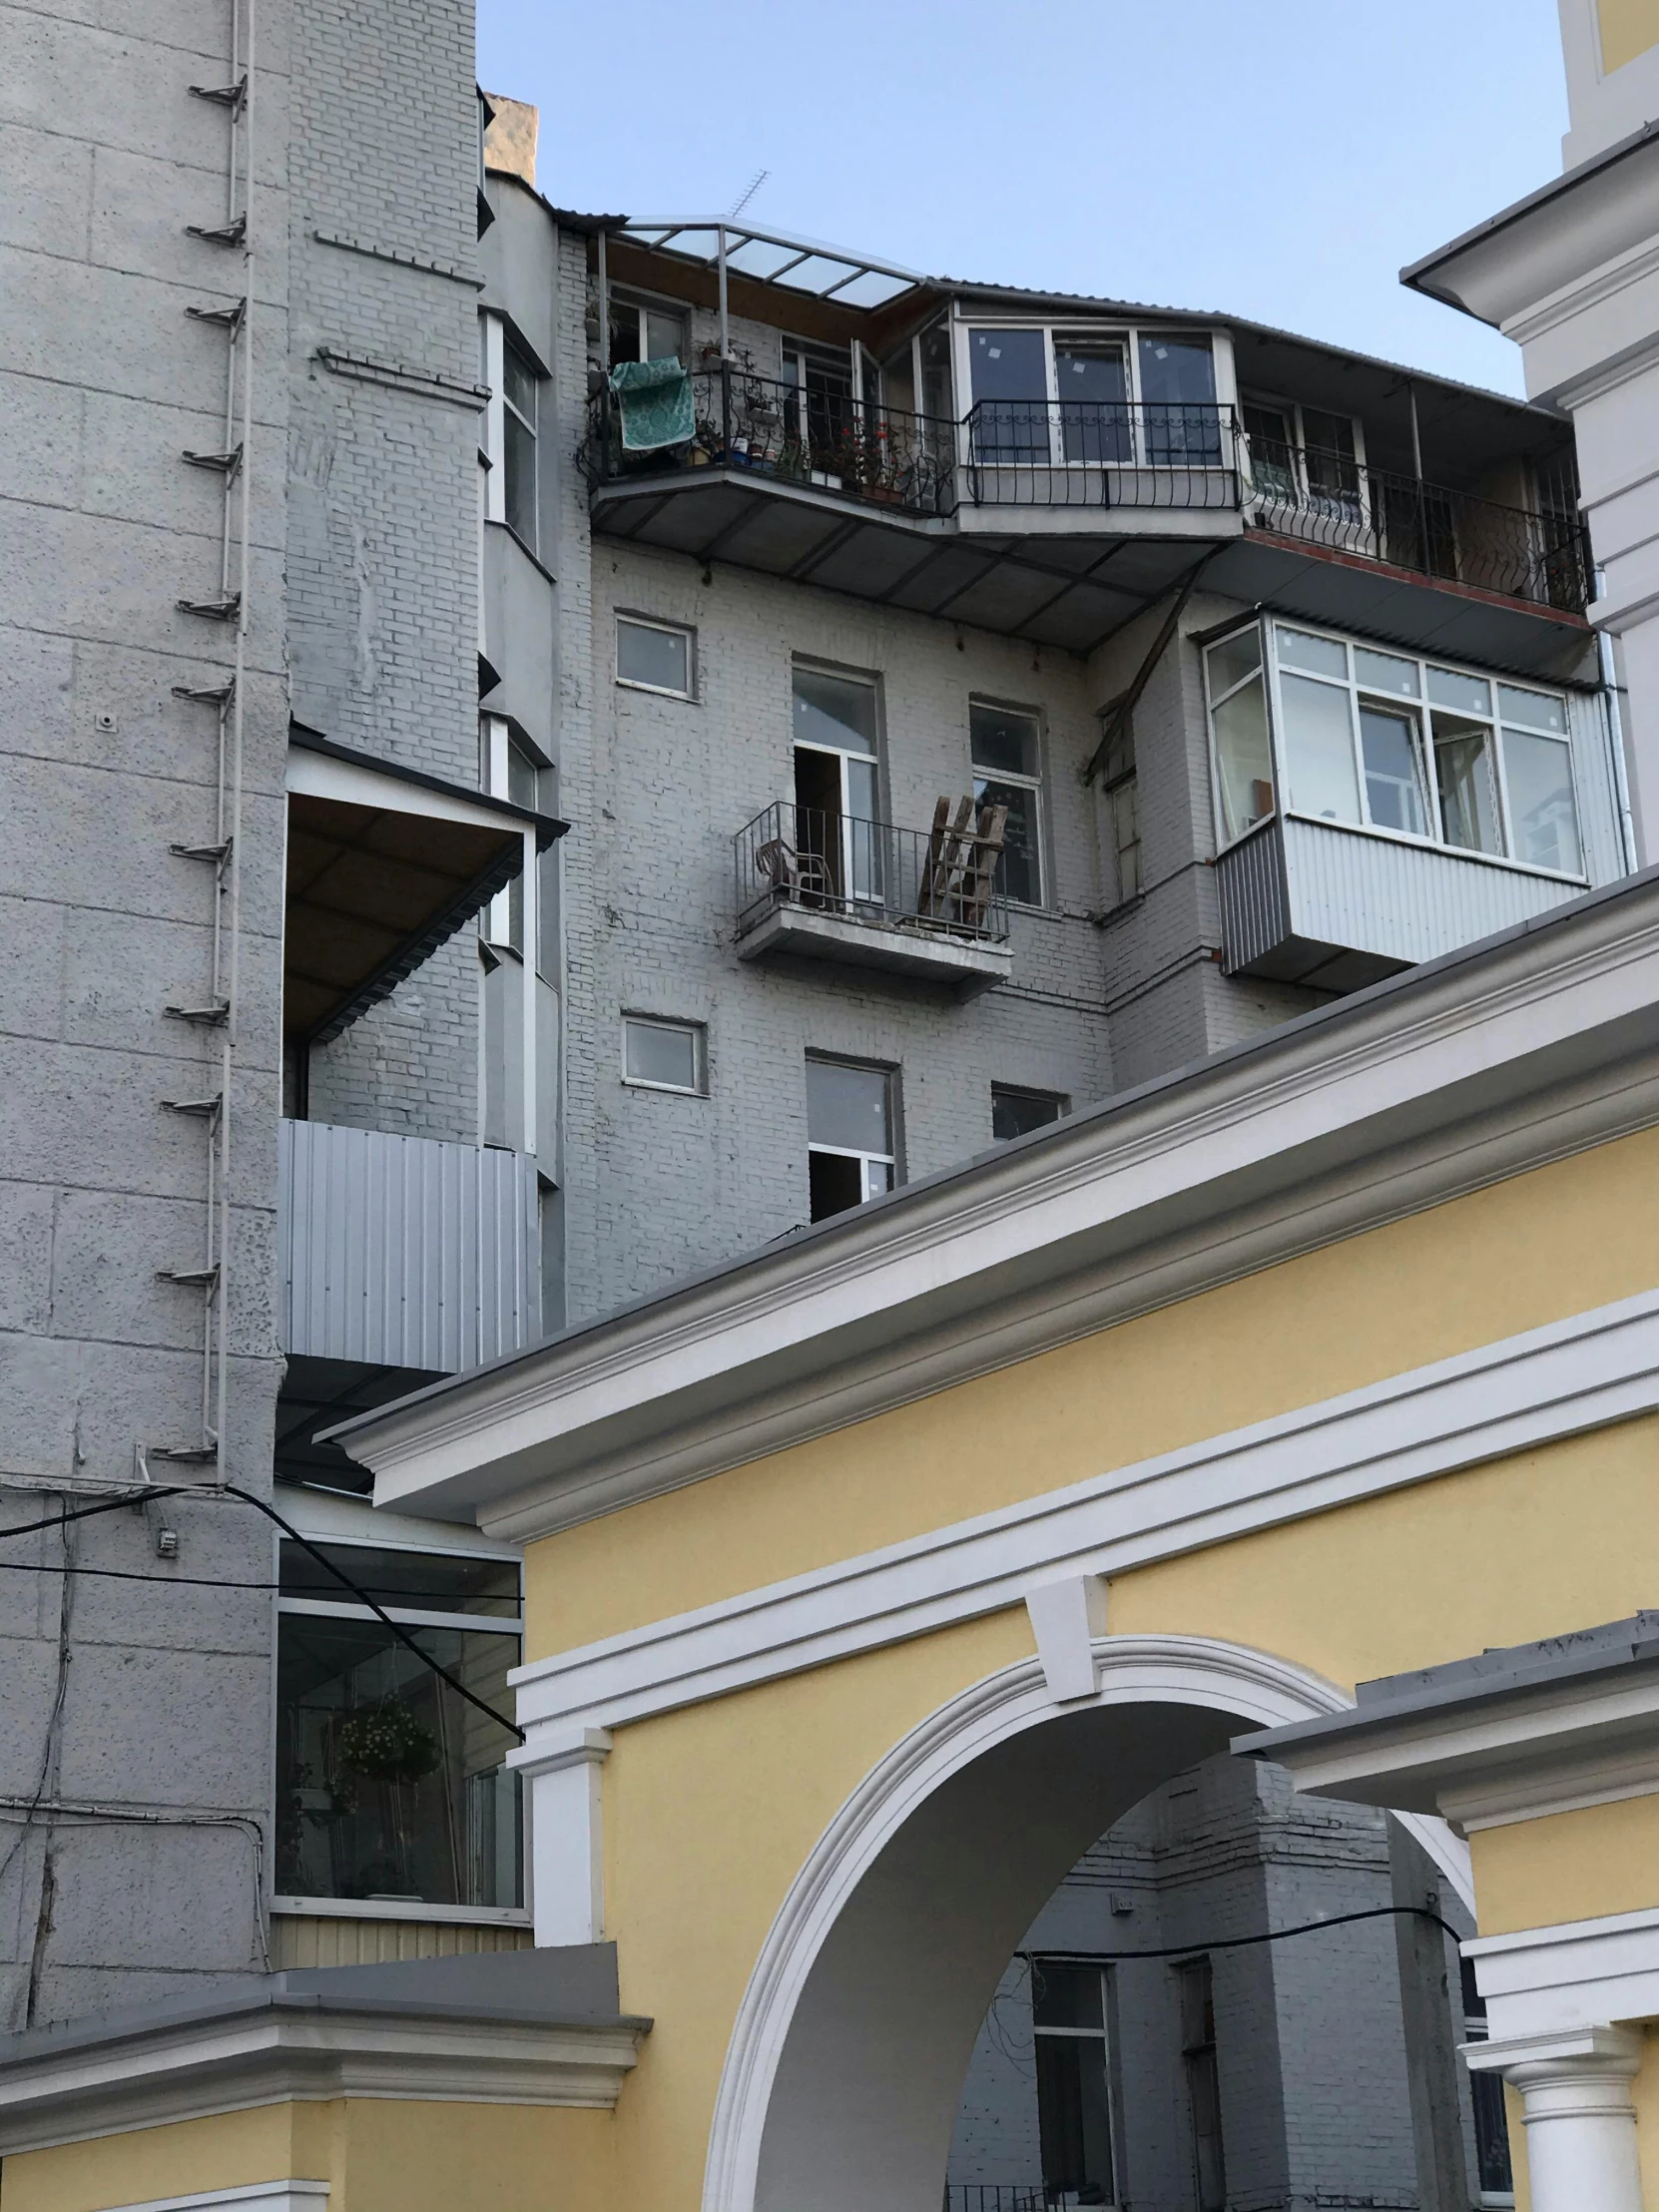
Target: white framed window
{"points": [[1015, 1111], [837, 724], [390, 1786], [656, 655], [1074, 2082], [1392, 743], [1307, 457], [1057, 394], [511, 423], [1196, 1987], [851, 1133], [647, 330], [1007, 746], [663, 1055]]}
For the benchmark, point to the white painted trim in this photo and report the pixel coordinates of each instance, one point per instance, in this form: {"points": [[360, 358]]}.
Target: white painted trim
{"points": [[1573, 1976], [227, 2063], [567, 1833], [320, 776], [1260, 1155], [1133, 1670], [1510, 1396], [382, 1908], [328, 1517], [1066, 1617], [280, 2196]]}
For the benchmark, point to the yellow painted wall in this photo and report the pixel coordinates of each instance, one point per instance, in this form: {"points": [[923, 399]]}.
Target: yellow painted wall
{"points": [[1629, 28], [708, 1816], [1568, 1867], [1534, 1250], [376, 2154]]}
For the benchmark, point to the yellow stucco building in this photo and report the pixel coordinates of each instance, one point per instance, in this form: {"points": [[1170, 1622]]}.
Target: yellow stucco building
{"points": [[870, 1579]]}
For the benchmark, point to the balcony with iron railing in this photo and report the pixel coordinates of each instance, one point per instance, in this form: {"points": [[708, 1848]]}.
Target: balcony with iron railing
{"points": [[828, 887]]}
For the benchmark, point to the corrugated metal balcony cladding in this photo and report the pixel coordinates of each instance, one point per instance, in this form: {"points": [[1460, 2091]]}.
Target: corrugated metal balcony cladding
{"points": [[404, 1252]]}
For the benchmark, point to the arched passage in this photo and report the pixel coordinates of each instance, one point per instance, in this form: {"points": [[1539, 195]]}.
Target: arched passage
{"points": [[849, 2051]]}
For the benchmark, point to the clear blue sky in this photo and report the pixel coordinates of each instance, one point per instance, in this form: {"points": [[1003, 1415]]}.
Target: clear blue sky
{"points": [[1279, 159]]}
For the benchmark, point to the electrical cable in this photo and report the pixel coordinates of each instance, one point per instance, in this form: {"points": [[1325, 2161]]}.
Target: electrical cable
{"points": [[139, 1495], [232, 1582], [1241, 1943]]}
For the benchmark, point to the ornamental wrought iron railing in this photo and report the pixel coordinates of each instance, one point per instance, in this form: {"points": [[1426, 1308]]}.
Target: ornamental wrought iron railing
{"points": [[1101, 454], [933, 884], [1329, 499], [1001, 2196]]}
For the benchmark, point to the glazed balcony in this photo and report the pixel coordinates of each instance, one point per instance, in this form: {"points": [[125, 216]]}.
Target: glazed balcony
{"points": [[826, 886]]}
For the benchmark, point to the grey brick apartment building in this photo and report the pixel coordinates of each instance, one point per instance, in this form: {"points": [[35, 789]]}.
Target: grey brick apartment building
{"points": [[334, 591]]}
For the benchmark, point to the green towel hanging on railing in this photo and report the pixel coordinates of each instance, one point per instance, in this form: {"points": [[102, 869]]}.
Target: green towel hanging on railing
{"points": [[654, 398]]}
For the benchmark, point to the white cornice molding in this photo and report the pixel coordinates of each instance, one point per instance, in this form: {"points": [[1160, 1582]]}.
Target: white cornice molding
{"points": [[227, 2063], [254, 2196], [1570, 1976], [1515, 1396], [1484, 1066]]}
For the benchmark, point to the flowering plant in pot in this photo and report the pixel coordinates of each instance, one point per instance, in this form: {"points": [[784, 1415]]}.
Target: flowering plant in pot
{"points": [[386, 1743]]}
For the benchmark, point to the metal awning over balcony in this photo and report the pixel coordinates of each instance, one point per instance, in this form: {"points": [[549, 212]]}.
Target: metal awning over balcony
{"points": [[384, 864]]}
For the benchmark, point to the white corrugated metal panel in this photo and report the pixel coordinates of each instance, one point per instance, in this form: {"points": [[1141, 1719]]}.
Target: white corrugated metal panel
{"points": [[1403, 901], [403, 1252], [1254, 912]]}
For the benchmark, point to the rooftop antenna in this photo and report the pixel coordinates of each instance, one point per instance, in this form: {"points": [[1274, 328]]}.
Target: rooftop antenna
{"points": [[755, 183]]}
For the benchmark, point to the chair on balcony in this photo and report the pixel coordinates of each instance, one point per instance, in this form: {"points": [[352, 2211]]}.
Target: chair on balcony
{"points": [[794, 877]]}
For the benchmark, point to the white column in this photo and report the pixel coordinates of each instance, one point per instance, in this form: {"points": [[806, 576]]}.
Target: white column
{"points": [[1580, 2121], [567, 1844]]}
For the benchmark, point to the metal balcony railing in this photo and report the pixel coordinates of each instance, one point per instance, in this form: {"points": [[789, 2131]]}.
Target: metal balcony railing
{"points": [[1101, 454], [1000, 2196], [1329, 499], [939, 883]]}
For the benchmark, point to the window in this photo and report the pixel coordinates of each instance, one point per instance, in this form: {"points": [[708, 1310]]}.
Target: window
{"points": [[1095, 396], [837, 724], [1493, 2170], [389, 1785], [1120, 786], [1015, 1113], [850, 1153], [1305, 458], [647, 330], [519, 387], [1198, 2052], [1008, 772], [1074, 2099], [656, 655], [1383, 740], [664, 1055]]}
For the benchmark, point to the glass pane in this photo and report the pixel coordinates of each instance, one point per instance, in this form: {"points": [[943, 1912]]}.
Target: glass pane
{"points": [[834, 1184], [1065, 1997], [1233, 660], [519, 382], [1325, 656], [1449, 688], [1543, 822], [1272, 464], [1385, 672], [1319, 750], [389, 1784], [1074, 2121], [660, 657], [1394, 780], [521, 776], [1093, 384], [1174, 369], [1532, 710], [1468, 793], [519, 489], [834, 710], [660, 1053], [934, 347], [1331, 434], [1019, 867], [1244, 760], [861, 789], [433, 1582], [665, 336], [1004, 741], [1016, 1113], [848, 1106], [1009, 364]]}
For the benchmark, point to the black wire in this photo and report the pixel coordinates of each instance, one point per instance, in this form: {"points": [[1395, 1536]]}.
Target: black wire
{"points": [[1242, 1942], [229, 1489], [232, 1582], [136, 1496]]}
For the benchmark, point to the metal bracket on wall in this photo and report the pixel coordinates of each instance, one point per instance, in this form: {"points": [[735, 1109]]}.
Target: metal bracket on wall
{"points": [[220, 234]]}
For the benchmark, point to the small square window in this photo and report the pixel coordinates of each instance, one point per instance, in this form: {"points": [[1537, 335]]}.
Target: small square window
{"points": [[1015, 1113], [655, 656], [664, 1055]]}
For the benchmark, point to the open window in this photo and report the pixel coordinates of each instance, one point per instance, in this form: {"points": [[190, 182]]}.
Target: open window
{"points": [[1074, 2083], [836, 782], [851, 1133]]}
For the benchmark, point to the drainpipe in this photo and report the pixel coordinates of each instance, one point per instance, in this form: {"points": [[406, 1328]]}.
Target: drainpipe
{"points": [[1615, 739]]}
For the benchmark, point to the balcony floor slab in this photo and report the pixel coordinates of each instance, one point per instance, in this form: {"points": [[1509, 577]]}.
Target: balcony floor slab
{"points": [[930, 956]]}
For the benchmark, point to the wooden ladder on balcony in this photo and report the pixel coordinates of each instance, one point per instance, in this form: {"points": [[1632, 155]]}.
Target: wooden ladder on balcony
{"points": [[960, 874]]}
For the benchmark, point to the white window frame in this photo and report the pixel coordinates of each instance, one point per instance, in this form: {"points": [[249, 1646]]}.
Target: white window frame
{"points": [[1038, 784], [697, 1031], [348, 1609], [1101, 2035], [684, 630], [1292, 410], [1129, 336], [867, 1160], [1265, 627], [495, 745], [873, 887], [532, 543], [635, 302]]}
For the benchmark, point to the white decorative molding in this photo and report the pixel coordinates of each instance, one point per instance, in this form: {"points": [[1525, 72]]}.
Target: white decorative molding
{"points": [[1510, 1396], [567, 1845], [1477, 1067], [227, 2062], [400, 1908], [1132, 1670], [1066, 1617], [1580, 2118], [1576, 1975], [256, 2196]]}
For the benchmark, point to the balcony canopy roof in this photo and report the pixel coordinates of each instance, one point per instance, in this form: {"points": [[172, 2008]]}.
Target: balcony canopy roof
{"points": [[775, 257], [385, 863]]}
